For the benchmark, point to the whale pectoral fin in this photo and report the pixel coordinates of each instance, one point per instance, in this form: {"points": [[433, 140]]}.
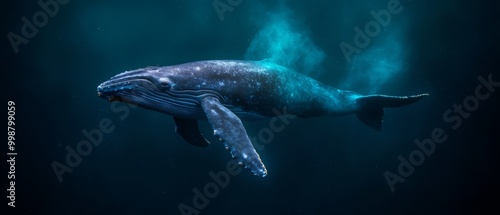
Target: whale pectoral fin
{"points": [[189, 130], [228, 127]]}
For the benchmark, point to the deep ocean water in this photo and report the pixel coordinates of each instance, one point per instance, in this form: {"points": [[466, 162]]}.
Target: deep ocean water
{"points": [[438, 156]]}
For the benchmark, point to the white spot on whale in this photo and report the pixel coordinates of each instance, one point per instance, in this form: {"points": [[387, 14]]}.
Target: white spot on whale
{"points": [[164, 79]]}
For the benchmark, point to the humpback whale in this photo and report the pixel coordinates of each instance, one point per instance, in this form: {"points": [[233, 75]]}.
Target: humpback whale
{"points": [[225, 92]]}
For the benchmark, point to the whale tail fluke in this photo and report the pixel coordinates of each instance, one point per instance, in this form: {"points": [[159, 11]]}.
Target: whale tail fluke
{"points": [[372, 107]]}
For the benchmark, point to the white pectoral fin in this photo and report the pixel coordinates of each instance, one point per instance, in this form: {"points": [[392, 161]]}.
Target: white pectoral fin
{"points": [[228, 127]]}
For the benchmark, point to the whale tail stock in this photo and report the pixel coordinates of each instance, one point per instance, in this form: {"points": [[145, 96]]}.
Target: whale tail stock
{"points": [[372, 107]]}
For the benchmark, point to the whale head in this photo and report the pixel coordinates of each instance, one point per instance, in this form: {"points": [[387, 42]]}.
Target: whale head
{"points": [[153, 88], [127, 85]]}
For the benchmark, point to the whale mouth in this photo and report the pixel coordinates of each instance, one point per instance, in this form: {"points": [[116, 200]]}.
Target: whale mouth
{"points": [[115, 98], [112, 88], [125, 90], [108, 96]]}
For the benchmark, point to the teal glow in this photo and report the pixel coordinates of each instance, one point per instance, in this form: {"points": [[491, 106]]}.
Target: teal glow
{"points": [[282, 41], [377, 65]]}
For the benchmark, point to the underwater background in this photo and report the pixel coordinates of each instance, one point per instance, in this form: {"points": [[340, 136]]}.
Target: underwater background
{"points": [[327, 165]]}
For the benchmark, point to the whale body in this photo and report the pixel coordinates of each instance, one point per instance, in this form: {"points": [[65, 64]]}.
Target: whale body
{"points": [[224, 92]]}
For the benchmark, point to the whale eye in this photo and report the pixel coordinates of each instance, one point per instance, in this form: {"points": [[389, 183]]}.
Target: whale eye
{"points": [[165, 82]]}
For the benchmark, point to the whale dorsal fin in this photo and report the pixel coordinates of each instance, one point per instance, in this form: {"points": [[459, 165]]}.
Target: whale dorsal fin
{"points": [[189, 130], [228, 127]]}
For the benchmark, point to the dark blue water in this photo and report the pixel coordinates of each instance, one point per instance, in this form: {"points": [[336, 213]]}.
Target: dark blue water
{"points": [[438, 156]]}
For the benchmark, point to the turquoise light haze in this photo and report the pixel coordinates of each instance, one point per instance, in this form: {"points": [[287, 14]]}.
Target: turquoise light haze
{"points": [[286, 43], [376, 66]]}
